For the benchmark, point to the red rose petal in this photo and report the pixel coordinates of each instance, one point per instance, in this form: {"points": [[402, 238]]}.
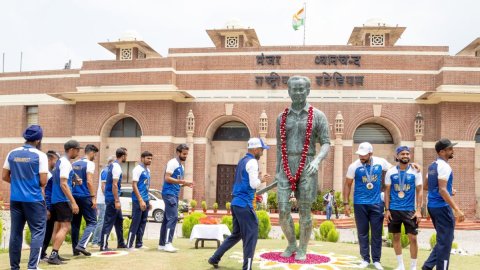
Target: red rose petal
{"points": [[311, 258]]}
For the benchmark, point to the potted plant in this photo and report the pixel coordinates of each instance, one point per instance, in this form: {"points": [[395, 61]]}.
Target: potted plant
{"points": [[272, 202], [227, 206], [204, 206], [193, 204], [215, 208]]}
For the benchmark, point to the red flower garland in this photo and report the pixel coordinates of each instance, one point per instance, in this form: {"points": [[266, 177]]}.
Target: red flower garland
{"points": [[306, 145]]}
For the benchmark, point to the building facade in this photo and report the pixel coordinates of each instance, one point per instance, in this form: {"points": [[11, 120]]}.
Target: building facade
{"points": [[214, 98]]}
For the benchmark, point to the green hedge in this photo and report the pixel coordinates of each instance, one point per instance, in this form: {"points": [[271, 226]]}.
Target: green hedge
{"points": [[126, 227], [189, 221], [228, 220], [1, 230], [433, 242], [333, 236], [404, 241], [297, 230], [325, 228], [264, 225]]}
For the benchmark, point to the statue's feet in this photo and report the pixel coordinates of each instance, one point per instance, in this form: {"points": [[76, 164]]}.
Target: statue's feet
{"points": [[301, 255], [289, 251]]}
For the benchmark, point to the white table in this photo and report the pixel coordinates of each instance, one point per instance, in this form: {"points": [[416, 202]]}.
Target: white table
{"points": [[209, 232]]}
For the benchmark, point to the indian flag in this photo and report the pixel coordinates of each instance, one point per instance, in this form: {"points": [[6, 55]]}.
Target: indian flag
{"points": [[298, 19]]}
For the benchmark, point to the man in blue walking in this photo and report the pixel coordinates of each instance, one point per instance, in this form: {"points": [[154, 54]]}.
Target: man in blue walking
{"points": [[173, 181], [140, 201], [52, 160], [84, 195], [245, 222], [440, 205], [113, 210], [26, 169], [102, 179]]}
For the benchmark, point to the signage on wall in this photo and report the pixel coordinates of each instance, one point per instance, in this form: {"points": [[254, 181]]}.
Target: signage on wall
{"points": [[325, 80]]}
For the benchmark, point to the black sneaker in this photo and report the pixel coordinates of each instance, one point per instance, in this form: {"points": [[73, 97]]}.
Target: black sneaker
{"points": [[53, 259], [426, 268], [105, 249], [76, 253], [122, 246], [63, 259], [214, 264], [83, 251]]}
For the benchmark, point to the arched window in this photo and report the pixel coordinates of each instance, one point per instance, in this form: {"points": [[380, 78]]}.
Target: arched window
{"points": [[477, 136], [232, 131], [372, 133], [126, 127]]}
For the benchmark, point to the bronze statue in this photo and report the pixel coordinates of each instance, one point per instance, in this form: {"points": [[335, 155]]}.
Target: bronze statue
{"points": [[299, 128]]}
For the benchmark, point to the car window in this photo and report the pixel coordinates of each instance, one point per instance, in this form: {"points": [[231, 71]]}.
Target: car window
{"points": [[126, 193], [156, 193]]}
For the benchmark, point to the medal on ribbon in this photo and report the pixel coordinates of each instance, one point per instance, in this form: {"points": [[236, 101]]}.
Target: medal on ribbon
{"points": [[369, 174], [401, 182]]}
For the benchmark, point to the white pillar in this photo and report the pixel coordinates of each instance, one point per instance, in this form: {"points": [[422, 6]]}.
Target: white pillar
{"points": [[263, 130], [188, 192], [338, 154]]}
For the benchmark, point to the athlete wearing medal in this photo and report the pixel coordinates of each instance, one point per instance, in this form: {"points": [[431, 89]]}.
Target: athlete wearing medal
{"points": [[367, 172], [403, 201]]}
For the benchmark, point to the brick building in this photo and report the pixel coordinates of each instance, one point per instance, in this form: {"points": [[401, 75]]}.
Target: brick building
{"points": [[215, 98]]}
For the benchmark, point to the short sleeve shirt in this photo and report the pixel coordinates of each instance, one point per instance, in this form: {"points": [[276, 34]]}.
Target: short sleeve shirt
{"points": [[175, 168], [410, 180], [360, 172]]}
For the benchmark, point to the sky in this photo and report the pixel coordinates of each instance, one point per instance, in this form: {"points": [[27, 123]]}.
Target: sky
{"points": [[50, 32]]}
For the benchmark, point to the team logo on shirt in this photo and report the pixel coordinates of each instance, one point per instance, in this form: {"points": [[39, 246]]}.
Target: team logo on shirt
{"points": [[406, 187], [365, 179], [21, 159]]}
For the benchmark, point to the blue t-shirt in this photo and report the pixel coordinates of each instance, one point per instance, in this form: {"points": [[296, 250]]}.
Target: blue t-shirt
{"points": [[48, 191], [439, 169], [175, 168], [114, 172], [242, 192], [63, 169], [26, 163], [81, 168], [410, 179], [141, 175], [358, 172]]}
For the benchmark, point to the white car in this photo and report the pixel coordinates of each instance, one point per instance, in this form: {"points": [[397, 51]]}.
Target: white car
{"points": [[155, 196]]}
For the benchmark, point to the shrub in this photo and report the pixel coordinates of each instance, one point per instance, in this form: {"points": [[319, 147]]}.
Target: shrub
{"points": [[297, 230], [272, 200], [215, 206], [126, 227], [1, 230], [433, 242], [325, 228], [316, 234], [189, 221], [264, 225], [228, 220], [204, 205], [333, 236], [28, 236], [228, 205], [193, 204], [404, 241]]}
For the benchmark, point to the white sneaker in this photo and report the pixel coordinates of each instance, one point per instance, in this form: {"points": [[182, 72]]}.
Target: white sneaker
{"points": [[143, 247], [161, 248], [170, 248], [400, 268], [364, 264], [378, 265], [132, 249], [413, 268]]}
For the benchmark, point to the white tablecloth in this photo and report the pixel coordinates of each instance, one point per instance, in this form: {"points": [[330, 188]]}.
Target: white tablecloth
{"points": [[212, 231]]}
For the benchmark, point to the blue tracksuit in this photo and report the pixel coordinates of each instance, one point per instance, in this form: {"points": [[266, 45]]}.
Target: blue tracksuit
{"points": [[245, 222]]}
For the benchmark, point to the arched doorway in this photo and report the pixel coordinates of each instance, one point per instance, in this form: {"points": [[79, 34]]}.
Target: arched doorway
{"points": [[122, 131], [477, 172], [228, 145], [380, 137]]}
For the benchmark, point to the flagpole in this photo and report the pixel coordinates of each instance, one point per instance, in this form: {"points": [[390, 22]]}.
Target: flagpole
{"points": [[305, 21]]}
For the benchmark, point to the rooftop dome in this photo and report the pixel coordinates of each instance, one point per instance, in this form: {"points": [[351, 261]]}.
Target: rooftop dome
{"points": [[376, 22], [130, 35], [234, 24]]}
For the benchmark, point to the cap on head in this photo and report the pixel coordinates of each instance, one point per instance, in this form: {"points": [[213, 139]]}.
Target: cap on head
{"points": [[442, 144], [364, 149], [402, 148], [72, 144], [33, 133], [257, 143]]}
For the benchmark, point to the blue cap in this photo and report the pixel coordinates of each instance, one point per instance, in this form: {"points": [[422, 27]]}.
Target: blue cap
{"points": [[33, 133], [402, 148]]}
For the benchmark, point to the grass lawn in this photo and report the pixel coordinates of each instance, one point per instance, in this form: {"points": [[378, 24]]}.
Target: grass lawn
{"points": [[196, 259]]}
